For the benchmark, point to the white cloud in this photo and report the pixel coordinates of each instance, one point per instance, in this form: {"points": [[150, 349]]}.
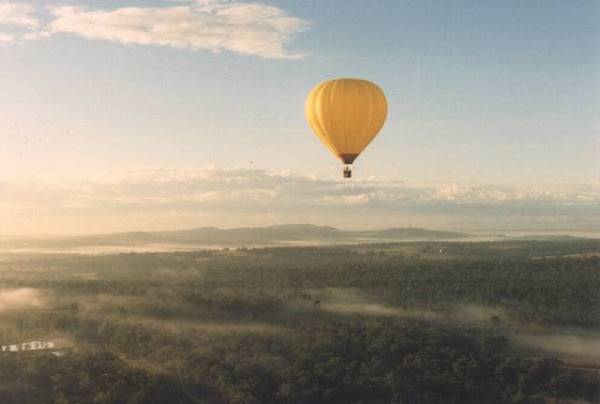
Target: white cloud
{"points": [[17, 14], [166, 198], [246, 28], [35, 35], [6, 38], [464, 194]]}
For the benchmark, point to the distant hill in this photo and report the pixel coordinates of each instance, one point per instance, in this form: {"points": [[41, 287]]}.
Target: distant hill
{"points": [[245, 236], [546, 237]]}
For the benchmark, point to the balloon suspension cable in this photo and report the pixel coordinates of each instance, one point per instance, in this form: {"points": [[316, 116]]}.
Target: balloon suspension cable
{"points": [[348, 171]]}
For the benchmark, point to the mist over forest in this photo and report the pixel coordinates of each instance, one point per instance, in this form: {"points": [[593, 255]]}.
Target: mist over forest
{"points": [[514, 321]]}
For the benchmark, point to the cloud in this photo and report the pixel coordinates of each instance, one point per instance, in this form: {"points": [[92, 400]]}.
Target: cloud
{"points": [[36, 35], [169, 198], [247, 28], [6, 38], [464, 194], [17, 14], [14, 18]]}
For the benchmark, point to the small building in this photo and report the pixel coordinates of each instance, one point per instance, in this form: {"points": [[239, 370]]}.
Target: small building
{"points": [[28, 346]]}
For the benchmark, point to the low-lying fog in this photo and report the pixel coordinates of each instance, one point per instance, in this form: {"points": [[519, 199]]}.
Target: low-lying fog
{"points": [[566, 344], [582, 346], [353, 301], [20, 298], [576, 344]]}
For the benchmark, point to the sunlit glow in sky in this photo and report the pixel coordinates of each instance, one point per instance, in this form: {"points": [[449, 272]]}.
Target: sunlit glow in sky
{"points": [[157, 114]]}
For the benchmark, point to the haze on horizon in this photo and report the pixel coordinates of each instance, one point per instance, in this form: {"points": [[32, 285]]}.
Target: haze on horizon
{"points": [[160, 115]]}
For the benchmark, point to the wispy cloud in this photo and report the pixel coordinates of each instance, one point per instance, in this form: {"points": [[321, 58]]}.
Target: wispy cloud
{"points": [[14, 18], [164, 198], [6, 38], [18, 14], [217, 25]]}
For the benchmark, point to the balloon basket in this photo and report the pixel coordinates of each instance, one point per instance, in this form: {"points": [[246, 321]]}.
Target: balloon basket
{"points": [[347, 172]]}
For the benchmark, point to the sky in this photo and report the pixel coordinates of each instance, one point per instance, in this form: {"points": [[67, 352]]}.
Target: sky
{"points": [[148, 115]]}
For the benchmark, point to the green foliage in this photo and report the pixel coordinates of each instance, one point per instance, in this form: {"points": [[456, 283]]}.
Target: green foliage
{"points": [[255, 326]]}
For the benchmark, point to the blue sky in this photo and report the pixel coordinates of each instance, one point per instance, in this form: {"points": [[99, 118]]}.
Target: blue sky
{"points": [[501, 96]]}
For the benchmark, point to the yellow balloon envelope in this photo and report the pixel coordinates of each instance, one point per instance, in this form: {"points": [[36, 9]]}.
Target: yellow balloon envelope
{"points": [[346, 114]]}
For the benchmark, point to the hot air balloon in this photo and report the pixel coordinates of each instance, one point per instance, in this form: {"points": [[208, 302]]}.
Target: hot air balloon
{"points": [[346, 114]]}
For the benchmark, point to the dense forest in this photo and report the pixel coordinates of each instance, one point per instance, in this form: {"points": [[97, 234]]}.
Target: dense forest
{"points": [[422, 322]]}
